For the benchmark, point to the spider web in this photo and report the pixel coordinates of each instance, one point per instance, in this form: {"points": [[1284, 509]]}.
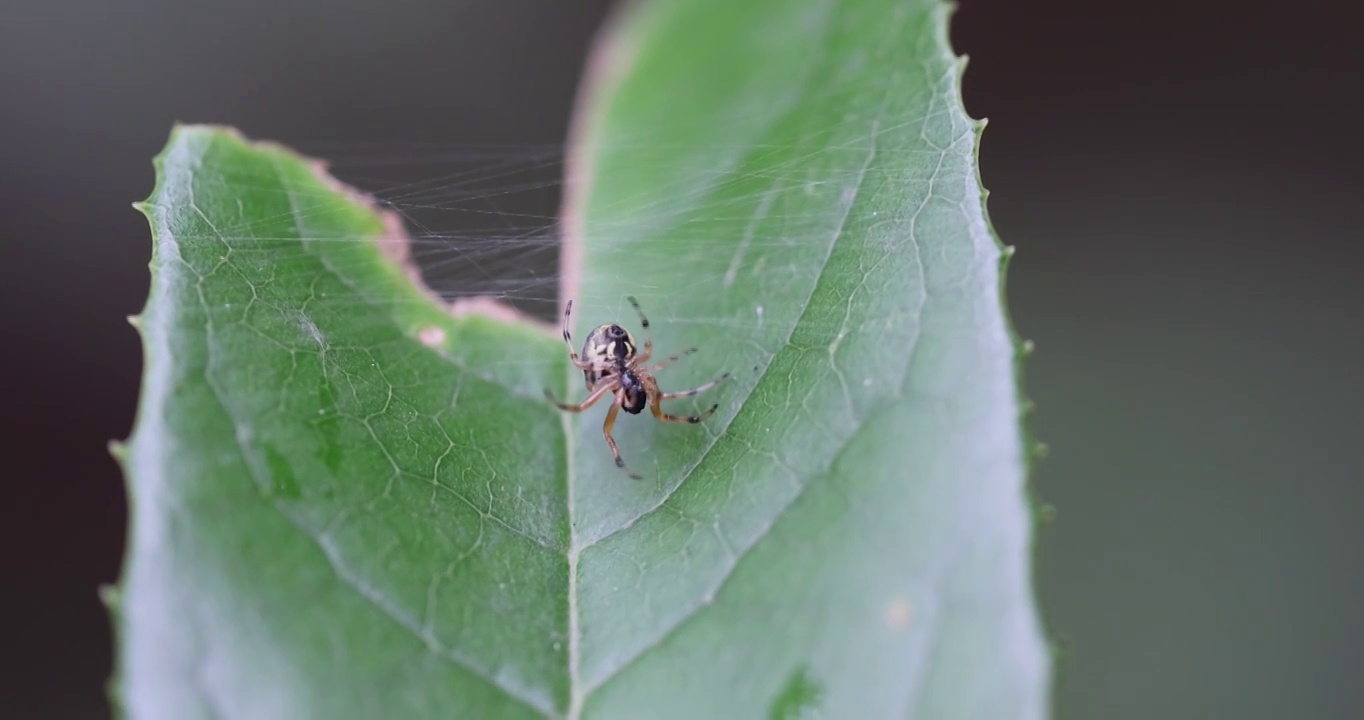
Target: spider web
{"points": [[482, 221]]}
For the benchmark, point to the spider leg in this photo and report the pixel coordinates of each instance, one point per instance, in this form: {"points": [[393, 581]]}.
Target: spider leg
{"points": [[610, 441], [654, 404], [585, 404], [644, 323], [694, 391], [669, 361], [572, 354]]}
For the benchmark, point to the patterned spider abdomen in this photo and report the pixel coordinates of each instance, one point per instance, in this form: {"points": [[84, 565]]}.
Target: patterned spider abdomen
{"points": [[609, 348]]}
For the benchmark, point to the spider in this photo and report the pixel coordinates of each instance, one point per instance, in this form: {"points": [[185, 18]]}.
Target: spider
{"points": [[611, 366]]}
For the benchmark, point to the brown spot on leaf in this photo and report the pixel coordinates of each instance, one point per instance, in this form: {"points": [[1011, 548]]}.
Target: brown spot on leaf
{"points": [[432, 336], [899, 613]]}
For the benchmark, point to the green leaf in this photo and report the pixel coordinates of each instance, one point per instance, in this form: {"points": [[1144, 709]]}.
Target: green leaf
{"points": [[349, 501]]}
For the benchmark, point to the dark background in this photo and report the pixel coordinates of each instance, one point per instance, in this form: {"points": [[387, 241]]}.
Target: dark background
{"points": [[1177, 179]]}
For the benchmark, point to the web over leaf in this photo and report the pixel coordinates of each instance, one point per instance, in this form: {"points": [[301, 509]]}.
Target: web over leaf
{"points": [[350, 501]]}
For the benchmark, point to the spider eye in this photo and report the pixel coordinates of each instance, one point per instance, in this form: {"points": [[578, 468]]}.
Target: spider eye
{"points": [[615, 331]]}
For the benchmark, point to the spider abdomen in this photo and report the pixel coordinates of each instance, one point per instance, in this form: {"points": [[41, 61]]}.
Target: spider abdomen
{"points": [[609, 345], [596, 377]]}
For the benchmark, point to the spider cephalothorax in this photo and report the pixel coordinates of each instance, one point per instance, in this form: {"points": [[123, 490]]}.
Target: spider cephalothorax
{"points": [[611, 365]]}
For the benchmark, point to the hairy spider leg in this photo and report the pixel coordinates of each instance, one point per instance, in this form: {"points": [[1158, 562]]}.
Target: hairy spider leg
{"points": [[591, 400], [606, 432], [572, 354], [648, 337], [654, 404], [669, 361], [694, 391]]}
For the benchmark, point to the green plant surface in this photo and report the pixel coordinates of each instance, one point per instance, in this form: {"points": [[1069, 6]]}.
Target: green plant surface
{"points": [[351, 501]]}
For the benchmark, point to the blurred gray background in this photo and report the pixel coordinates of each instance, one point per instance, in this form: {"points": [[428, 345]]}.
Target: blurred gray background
{"points": [[1177, 181]]}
